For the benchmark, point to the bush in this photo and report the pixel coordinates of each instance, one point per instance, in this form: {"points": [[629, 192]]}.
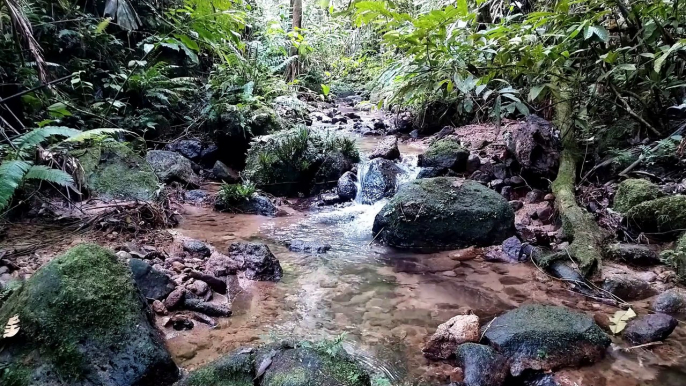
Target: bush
{"points": [[231, 194]]}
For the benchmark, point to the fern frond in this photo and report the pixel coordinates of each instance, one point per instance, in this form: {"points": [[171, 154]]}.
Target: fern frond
{"points": [[44, 173], [34, 137], [11, 175], [92, 134]]}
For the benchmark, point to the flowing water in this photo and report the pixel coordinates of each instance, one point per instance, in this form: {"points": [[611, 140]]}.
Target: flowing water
{"points": [[386, 302]]}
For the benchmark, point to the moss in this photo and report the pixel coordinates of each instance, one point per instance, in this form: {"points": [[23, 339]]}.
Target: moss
{"points": [[234, 370], [15, 375], [633, 192], [661, 215], [296, 377], [113, 170], [445, 153], [83, 295]]}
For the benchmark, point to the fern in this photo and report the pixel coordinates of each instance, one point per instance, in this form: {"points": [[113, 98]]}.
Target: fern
{"points": [[11, 175], [82, 136], [44, 173]]}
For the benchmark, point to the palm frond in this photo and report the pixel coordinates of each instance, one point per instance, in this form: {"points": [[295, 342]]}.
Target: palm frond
{"points": [[44, 173], [11, 175], [23, 28]]}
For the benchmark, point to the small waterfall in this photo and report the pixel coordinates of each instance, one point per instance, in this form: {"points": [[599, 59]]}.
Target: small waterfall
{"points": [[408, 165]]}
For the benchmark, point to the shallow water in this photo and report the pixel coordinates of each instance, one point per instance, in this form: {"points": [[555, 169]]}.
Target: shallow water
{"points": [[387, 302]]}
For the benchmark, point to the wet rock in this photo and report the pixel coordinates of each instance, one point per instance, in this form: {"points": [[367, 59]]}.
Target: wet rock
{"points": [[175, 299], [386, 148], [152, 283], [473, 163], [444, 132], [536, 145], [85, 307], [632, 192], [304, 366], [627, 287], [208, 156], [661, 215], [459, 329], [257, 204], [207, 308], [196, 247], [516, 205], [188, 148], [234, 369], [445, 153], [225, 173], [500, 171], [649, 328], [159, 308], [347, 186], [334, 165], [222, 265], [196, 195], [672, 301], [534, 196], [444, 213], [180, 322], [117, 172], [636, 254], [546, 215], [218, 285], [380, 180], [540, 337], [330, 199], [431, 173], [259, 262], [517, 251], [308, 246], [170, 166], [198, 287], [482, 366]]}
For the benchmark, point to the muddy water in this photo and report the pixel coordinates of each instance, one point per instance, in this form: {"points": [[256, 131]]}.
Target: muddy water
{"points": [[386, 302]]}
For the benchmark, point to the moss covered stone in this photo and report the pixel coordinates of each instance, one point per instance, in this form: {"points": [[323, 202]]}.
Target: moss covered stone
{"points": [[541, 337], [444, 213], [661, 215], [83, 321], [299, 161], [633, 192], [235, 369], [114, 171], [445, 154]]}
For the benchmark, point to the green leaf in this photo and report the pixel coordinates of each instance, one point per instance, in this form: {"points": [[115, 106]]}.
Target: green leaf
{"points": [[35, 137], [102, 25], [660, 61], [11, 175], [59, 110], [626, 67], [461, 7], [535, 92], [188, 42]]}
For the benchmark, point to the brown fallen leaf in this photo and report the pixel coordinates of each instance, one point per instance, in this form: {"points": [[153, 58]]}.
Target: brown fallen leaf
{"points": [[12, 327]]}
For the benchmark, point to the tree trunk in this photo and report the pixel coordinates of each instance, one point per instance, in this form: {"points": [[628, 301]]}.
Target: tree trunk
{"points": [[577, 224], [297, 10]]}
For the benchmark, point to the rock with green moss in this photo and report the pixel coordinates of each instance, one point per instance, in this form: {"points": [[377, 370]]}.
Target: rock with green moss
{"points": [[235, 369], [444, 213], [445, 154], [112, 170], [170, 166], [633, 192], [299, 161], [542, 337], [676, 258], [664, 214], [82, 321]]}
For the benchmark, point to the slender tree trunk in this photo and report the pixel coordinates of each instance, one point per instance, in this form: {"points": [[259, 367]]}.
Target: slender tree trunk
{"points": [[297, 10], [577, 224]]}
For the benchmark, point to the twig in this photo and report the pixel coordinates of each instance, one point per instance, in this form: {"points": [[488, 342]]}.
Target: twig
{"points": [[377, 235], [641, 346], [62, 79]]}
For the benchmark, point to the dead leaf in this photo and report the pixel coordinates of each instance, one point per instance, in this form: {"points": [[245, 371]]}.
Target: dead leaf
{"points": [[12, 327], [619, 320]]}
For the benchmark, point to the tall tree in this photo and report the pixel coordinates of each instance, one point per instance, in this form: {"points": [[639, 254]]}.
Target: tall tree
{"points": [[297, 11]]}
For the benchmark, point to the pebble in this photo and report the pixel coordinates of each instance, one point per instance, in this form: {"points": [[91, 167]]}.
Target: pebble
{"points": [[159, 308]]}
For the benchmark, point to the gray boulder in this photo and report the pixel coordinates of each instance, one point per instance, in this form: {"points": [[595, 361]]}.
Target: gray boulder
{"points": [[387, 149], [380, 180], [225, 173], [347, 186], [636, 254], [188, 148], [444, 213], [649, 328], [627, 287], [536, 145], [541, 337], [672, 301], [445, 154], [152, 283], [196, 247], [259, 262], [170, 166], [257, 204], [482, 365]]}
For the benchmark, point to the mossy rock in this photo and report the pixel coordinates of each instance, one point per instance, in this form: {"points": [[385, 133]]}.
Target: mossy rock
{"points": [[677, 258], [84, 322], [633, 192], [445, 153], [235, 369], [112, 170], [444, 213], [296, 161], [664, 214], [542, 337]]}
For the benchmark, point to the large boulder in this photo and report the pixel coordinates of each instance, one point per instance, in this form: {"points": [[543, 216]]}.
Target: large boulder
{"points": [[445, 154], [536, 145], [649, 328], [661, 215], [444, 213], [170, 166], [115, 171], [82, 321], [633, 192], [482, 365], [541, 337], [379, 181], [256, 204], [234, 369], [152, 283], [672, 301], [259, 262], [296, 161], [188, 148], [225, 173], [347, 186]]}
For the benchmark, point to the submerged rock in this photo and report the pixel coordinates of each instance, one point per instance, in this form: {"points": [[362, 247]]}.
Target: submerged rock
{"points": [[633, 192], [540, 337], [386, 148], [347, 186], [627, 287], [152, 283], [115, 171], [83, 322], [660, 215], [308, 246], [170, 166], [207, 308], [259, 262], [380, 180], [672, 301], [482, 365], [649, 328], [459, 329], [445, 154], [444, 213]]}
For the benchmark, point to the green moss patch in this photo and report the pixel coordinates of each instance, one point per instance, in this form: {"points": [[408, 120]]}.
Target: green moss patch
{"points": [[633, 192], [661, 215]]}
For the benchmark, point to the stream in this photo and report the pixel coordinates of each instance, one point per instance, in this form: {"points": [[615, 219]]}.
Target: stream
{"points": [[386, 302]]}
